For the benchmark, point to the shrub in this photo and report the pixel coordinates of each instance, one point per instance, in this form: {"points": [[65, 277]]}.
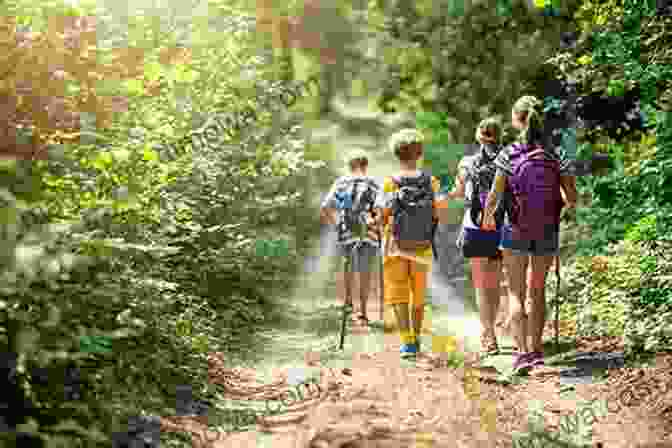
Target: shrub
{"points": [[627, 293]]}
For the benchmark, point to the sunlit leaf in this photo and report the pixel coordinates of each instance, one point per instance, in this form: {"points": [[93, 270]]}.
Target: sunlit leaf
{"points": [[150, 155], [103, 160], [122, 155]]}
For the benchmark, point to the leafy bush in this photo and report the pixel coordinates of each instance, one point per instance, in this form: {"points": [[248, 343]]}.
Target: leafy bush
{"points": [[625, 293], [145, 236]]}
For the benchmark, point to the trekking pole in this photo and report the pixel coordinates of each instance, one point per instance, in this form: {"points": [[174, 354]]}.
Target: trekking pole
{"points": [[381, 283], [347, 300], [557, 301]]}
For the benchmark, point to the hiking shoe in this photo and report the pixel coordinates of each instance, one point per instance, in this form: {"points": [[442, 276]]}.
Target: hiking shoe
{"points": [[361, 319], [528, 361], [536, 359], [521, 360], [409, 350]]}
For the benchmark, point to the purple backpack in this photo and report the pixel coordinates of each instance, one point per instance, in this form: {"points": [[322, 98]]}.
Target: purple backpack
{"points": [[535, 185]]}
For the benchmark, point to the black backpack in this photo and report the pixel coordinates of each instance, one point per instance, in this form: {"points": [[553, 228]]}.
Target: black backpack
{"points": [[479, 182], [413, 212], [355, 200]]}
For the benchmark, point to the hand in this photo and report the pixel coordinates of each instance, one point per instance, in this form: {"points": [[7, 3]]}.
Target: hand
{"points": [[489, 223], [372, 223]]}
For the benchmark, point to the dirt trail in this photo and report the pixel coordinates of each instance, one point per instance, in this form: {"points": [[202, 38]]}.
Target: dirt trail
{"points": [[380, 401]]}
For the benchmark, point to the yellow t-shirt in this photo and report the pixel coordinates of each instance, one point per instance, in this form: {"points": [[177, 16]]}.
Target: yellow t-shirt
{"points": [[392, 250]]}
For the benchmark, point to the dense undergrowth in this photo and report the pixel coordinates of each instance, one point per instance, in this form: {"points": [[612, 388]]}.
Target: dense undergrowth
{"points": [[130, 252], [619, 283], [142, 237]]}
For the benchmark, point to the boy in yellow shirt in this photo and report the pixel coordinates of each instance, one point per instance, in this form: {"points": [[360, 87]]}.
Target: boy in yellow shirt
{"points": [[408, 208]]}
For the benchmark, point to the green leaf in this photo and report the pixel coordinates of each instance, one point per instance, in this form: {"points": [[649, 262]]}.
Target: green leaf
{"points": [[186, 76], [150, 155], [95, 344], [122, 155], [103, 161], [134, 87], [153, 71]]}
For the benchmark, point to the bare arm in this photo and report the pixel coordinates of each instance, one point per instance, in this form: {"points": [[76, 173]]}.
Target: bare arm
{"points": [[458, 190], [568, 186], [498, 188], [328, 216]]}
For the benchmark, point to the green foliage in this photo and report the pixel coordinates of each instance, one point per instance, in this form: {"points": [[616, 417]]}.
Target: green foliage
{"points": [[626, 293], [644, 230], [441, 156], [465, 63], [132, 254]]}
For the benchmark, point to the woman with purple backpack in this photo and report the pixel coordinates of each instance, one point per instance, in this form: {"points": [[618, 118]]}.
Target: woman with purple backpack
{"points": [[535, 176]]}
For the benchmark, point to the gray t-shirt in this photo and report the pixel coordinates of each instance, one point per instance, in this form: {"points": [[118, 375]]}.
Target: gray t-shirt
{"points": [[330, 199], [346, 236]]}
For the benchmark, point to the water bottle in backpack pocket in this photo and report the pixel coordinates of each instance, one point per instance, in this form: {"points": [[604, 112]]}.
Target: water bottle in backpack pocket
{"points": [[413, 212], [537, 200]]}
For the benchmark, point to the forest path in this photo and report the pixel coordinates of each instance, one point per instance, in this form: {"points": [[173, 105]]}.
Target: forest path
{"points": [[369, 397]]}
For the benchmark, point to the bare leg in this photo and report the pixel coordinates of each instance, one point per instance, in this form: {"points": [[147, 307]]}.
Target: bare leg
{"points": [[418, 316], [537, 298], [504, 308], [403, 320], [364, 290], [516, 269], [486, 281], [348, 280]]}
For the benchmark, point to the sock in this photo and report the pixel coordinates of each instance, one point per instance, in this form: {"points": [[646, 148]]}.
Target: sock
{"points": [[407, 336]]}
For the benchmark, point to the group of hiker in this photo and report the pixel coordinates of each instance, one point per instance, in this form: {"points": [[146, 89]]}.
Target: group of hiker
{"points": [[513, 200]]}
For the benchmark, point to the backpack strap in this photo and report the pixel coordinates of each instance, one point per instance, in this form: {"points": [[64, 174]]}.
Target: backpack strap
{"points": [[536, 152], [355, 184]]}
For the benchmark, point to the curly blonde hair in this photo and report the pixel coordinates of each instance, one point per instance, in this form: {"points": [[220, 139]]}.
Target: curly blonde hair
{"points": [[357, 159], [402, 143]]}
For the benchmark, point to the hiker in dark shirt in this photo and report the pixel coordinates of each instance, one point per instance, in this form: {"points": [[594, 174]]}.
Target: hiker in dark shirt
{"points": [[474, 180]]}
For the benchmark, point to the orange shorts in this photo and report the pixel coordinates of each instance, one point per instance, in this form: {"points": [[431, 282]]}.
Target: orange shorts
{"points": [[405, 281]]}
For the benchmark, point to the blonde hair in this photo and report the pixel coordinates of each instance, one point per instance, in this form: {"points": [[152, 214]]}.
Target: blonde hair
{"points": [[402, 141], [357, 158], [489, 123], [531, 108]]}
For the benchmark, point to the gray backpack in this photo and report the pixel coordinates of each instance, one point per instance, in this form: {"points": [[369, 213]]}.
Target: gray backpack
{"points": [[355, 199], [413, 212]]}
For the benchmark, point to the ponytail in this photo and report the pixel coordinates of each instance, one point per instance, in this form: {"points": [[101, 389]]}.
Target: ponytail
{"points": [[534, 128]]}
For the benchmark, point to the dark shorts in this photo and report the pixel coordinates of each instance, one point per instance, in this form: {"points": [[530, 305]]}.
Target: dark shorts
{"points": [[497, 256], [360, 258], [548, 246], [480, 242]]}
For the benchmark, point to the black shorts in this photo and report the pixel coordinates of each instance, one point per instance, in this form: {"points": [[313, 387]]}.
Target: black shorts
{"points": [[498, 256]]}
